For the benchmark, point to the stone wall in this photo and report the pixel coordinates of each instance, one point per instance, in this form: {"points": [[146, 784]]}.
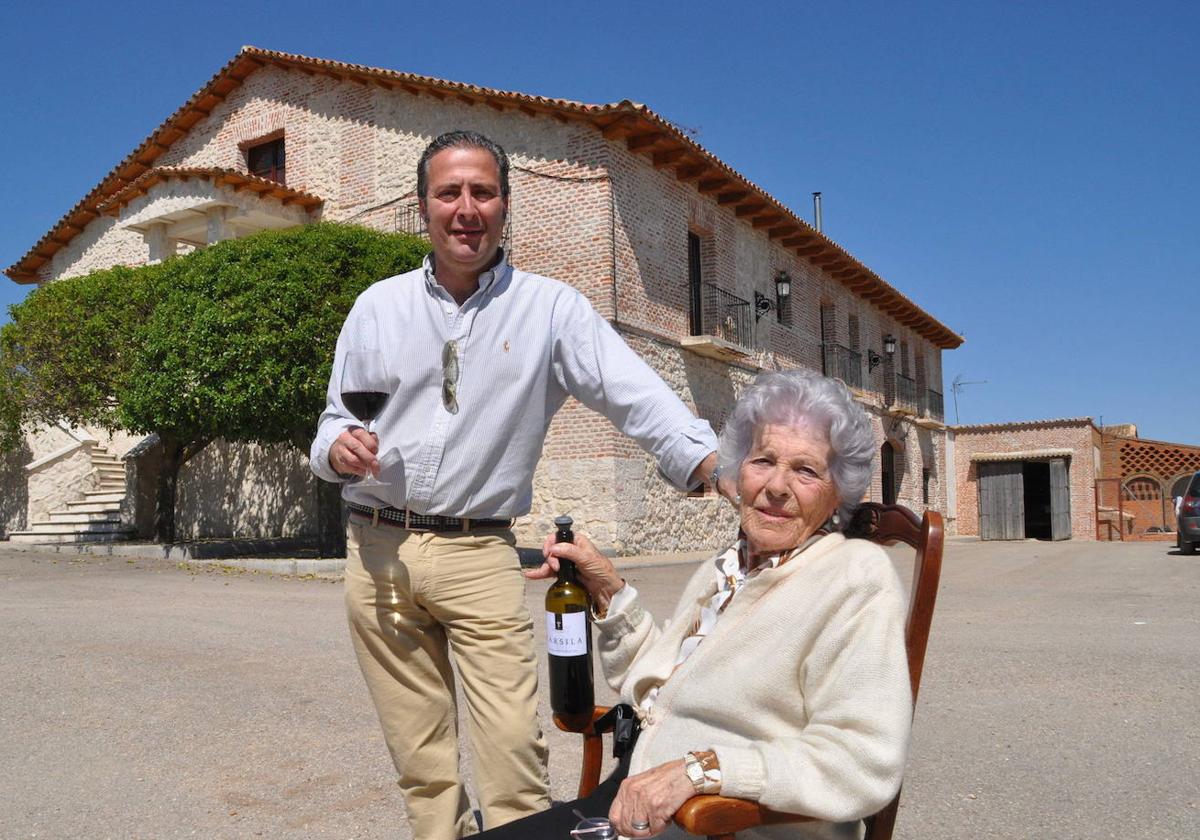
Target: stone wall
{"points": [[245, 490], [1078, 435], [51, 485], [14, 490]]}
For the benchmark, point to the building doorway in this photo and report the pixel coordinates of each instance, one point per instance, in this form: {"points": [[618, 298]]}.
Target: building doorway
{"points": [[1024, 500], [887, 463], [1036, 480], [695, 278]]}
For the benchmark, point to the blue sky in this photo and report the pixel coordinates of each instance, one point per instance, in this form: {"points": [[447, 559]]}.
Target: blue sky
{"points": [[1026, 172]]}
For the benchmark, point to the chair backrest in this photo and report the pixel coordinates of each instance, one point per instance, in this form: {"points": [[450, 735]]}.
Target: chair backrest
{"points": [[891, 524], [888, 525]]}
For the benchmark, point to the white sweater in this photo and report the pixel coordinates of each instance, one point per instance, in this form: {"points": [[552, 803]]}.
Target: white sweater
{"points": [[801, 689]]}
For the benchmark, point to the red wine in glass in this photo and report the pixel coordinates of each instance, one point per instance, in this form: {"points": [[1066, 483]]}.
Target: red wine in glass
{"points": [[365, 405], [366, 387]]}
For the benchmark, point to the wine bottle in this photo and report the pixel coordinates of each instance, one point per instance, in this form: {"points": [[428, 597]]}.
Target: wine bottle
{"points": [[569, 640]]}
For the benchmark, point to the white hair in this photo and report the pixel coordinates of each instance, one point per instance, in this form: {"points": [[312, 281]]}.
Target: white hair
{"points": [[803, 398]]}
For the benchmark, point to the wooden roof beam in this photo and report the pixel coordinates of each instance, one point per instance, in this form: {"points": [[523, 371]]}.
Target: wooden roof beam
{"points": [[750, 208], [732, 196], [413, 89], [712, 185], [637, 142], [765, 220], [622, 125], [830, 262], [667, 157], [691, 171], [470, 100], [801, 238], [781, 230], [811, 250]]}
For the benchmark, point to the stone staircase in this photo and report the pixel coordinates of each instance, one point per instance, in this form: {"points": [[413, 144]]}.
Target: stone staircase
{"points": [[95, 518]]}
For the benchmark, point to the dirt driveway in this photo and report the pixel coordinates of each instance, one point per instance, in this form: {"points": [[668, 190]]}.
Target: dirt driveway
{"points": [[143, 699]]}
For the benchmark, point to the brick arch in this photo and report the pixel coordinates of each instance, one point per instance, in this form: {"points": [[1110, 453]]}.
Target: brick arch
{"points": [[1178, 484], [1145, 499], [1142, 488]]}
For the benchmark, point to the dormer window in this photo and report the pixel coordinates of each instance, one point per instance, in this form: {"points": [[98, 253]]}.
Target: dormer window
{"points": [[266, 160]]}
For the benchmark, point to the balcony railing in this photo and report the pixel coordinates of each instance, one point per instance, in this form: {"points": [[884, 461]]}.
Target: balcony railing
{"points": [[907, 395], [409, 220], [726, 316], [934, 405], [844, 364]]}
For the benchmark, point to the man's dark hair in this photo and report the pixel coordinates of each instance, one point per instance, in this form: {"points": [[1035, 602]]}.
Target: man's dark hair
{"points": [[458, 140]]}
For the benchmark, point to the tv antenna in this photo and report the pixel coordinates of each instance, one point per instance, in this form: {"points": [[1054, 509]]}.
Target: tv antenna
{"points": [[957, 385]]}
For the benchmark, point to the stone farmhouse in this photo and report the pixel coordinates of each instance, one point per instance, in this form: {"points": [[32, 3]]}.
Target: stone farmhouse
{"points": [[703, 273]]}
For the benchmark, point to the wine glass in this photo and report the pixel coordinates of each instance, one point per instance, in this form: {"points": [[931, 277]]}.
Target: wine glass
{"points": [[366, 387]]}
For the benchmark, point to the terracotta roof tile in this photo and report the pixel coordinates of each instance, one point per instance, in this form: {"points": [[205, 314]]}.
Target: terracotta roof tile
{"points": [[231, 177], [1024, 424]]}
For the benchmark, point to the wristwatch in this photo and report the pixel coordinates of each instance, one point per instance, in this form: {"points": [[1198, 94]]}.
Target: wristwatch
{"points": [[704, 774]]}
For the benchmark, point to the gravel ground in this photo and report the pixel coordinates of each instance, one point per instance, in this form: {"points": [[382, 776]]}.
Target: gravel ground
{"points": [[144, 698]]}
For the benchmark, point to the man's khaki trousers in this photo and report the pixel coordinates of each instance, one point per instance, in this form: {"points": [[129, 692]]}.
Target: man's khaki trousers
{"points": [[411, 598]]}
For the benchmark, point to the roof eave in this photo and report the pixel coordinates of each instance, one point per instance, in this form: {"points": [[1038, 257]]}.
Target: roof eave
{"points": [[666, 144]]}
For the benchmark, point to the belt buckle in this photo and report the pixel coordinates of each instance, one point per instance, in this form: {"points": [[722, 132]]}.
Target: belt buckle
{"points": [[407, 519], [466, 524], [374, 517]]}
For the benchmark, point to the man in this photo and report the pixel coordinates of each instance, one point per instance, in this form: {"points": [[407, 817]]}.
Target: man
{"points": [[483, 355]]}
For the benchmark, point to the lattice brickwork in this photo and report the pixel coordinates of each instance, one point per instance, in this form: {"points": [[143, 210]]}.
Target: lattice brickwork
{"points": [[1163, 460]]}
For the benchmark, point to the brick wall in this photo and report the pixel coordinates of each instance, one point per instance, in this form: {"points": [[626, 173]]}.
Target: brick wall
{"points": [[1078, 435], [1143, 467]]}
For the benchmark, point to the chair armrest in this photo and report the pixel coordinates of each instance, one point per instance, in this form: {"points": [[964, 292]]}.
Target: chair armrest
{"points": [[581, 724], [593, 747], [717, 815]]}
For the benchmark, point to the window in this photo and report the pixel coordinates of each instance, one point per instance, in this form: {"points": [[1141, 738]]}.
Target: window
{"points": [[853, 330], [925, 486], [267, 160]]}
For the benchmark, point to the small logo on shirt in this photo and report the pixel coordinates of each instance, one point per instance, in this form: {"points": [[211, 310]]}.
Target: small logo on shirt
{"points": [[506, 345]]}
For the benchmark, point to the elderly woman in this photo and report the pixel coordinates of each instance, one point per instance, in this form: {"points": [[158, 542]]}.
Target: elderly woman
{"points": [[782, 677]]}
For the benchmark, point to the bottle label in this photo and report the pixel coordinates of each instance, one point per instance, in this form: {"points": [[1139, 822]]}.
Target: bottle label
{"points": [[566, 633]]}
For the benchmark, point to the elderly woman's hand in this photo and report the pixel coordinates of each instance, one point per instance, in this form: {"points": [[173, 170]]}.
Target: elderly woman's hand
{"points": [[597, 574], [653, 797]]}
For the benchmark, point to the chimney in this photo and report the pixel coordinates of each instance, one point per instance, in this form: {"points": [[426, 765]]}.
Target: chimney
{"points": [[817, 209]]}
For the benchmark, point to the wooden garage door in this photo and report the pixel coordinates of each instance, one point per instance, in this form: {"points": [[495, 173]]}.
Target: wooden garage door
{"points": [[1001, 500], [1060, 500]]}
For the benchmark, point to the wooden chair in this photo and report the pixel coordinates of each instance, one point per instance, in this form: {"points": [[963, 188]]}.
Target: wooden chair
{"points": [[719, 817]]}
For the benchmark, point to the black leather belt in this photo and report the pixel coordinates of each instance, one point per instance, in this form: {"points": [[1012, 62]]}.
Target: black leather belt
{"points": [[399, 518]]}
